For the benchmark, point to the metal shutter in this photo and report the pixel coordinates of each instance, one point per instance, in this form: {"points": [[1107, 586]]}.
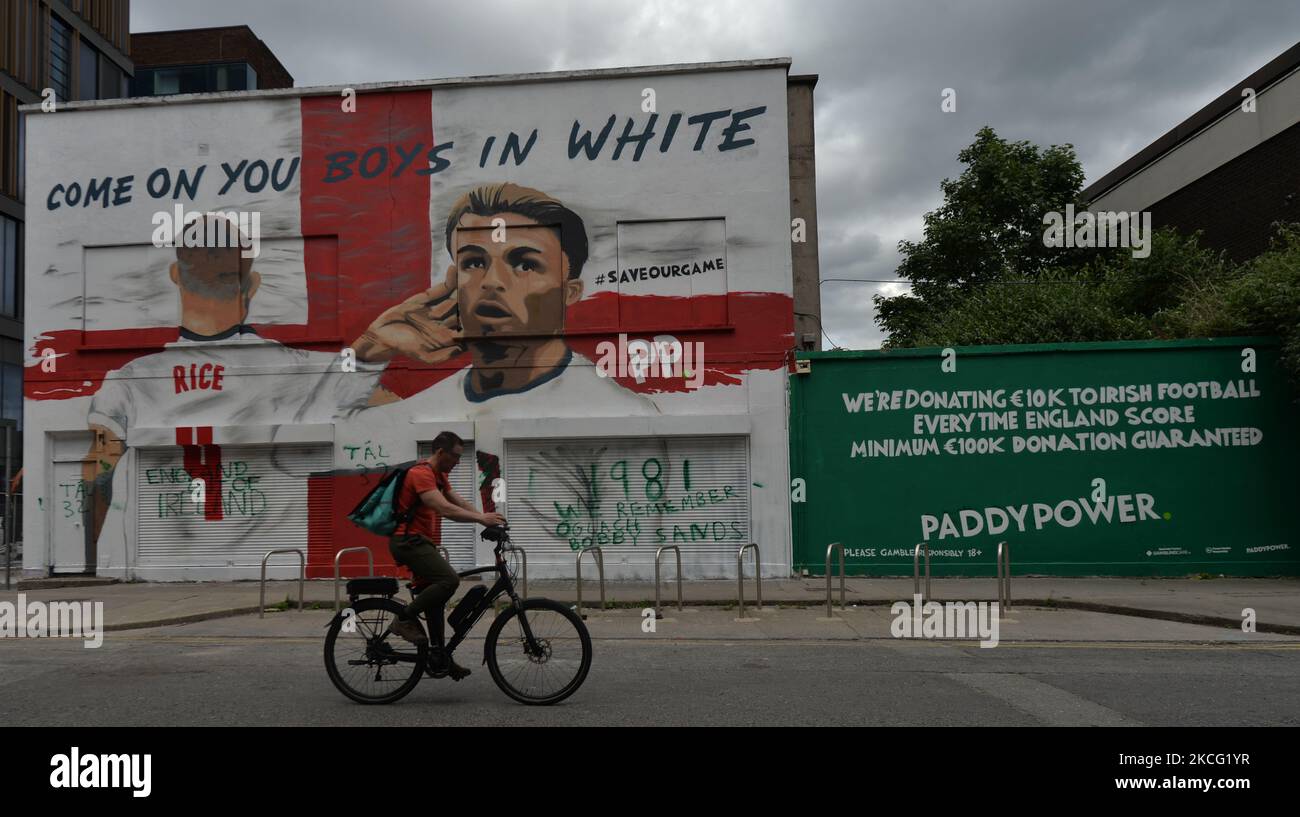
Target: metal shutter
{"points": [[631, 496], [458, 537], [264, 506]]}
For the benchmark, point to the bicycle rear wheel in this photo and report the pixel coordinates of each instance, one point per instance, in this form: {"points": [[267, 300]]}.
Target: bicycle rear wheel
{"points": [[553, 671], [370, 665]]}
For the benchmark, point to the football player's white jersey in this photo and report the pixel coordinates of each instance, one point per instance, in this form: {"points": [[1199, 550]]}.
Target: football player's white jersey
{"points": [[243, 380], [577, 382]]}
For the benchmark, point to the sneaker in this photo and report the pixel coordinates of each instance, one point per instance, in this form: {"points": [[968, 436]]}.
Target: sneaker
{"points": [[409, 630], [442, 666]]}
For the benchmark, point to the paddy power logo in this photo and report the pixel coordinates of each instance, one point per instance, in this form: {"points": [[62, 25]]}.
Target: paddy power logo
{"points": [[1097, 509]]}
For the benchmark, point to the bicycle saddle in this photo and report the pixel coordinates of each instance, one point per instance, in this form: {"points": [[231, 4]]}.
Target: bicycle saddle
{"points": [[372, 586]]}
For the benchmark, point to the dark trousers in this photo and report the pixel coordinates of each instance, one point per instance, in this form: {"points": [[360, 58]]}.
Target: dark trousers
{"points": [[422, 556]]}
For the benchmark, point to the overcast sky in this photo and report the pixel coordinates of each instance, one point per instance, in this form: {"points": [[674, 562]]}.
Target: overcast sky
{"points": [[1108, 76]]}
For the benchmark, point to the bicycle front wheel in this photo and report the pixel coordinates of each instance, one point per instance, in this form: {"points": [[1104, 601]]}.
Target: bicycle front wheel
{"points": [[366, 662], [551, 665]]}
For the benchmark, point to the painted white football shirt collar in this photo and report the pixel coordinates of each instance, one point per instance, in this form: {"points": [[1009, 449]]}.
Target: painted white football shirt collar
{"points": [[236, 331], [474, 396]]}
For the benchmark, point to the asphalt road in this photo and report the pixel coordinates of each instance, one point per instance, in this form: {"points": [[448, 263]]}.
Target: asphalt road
{"points": [[143, 678]]}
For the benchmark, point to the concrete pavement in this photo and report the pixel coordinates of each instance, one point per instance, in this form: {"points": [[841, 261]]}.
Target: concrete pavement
{"points": [[705, 623], [1204, 605]]}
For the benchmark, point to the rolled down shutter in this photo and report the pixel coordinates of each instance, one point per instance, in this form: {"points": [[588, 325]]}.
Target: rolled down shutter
{"points": [[630, 496], [260, 503], [458, 537]]}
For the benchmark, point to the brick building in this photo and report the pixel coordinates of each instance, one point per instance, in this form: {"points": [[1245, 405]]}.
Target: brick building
{"points": [[201, 60], [79, 50], [1229, 170]]}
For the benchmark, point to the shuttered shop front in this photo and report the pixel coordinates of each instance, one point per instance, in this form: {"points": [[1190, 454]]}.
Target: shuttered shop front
{"points": [[254, 498], [631, 496], [459, 537]]}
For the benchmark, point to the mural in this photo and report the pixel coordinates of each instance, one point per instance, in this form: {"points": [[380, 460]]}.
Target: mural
{"points": [[503, 303], [204, 378], [334, 319]]}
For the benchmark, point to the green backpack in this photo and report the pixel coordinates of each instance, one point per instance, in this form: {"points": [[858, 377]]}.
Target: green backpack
{"points": [[377, 512]]}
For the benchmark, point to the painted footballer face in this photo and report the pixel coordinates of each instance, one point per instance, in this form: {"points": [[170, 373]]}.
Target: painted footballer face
{"points": [[517, 286]]}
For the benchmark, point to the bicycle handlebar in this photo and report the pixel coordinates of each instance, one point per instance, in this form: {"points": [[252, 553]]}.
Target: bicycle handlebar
{"points": [[496, 533]]}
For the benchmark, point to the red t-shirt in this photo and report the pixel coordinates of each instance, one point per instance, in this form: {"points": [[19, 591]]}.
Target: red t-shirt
{"points": [[426, 522]]}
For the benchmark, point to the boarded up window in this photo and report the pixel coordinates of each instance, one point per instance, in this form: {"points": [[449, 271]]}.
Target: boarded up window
{"points": [[129, 287], [672, 274], [631, 496]]}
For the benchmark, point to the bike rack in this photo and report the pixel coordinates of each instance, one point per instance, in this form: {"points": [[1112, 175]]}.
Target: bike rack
{"points": [[1004, 577], [302, 575], [677, 551], [338, 557], [599, 556], [916, 570], [829, 549], [740, 576]]}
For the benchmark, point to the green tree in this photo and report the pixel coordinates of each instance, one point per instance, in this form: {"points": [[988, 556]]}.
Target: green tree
{"points": [[1261, 297], [982, 275], [1114, 297], [989, 226]]}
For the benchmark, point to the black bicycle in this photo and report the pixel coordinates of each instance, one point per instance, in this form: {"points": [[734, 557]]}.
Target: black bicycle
{"points": [[537, 650]]}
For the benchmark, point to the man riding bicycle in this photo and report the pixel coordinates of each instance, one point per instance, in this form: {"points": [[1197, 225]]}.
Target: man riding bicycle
{"points": [[414, 543]]}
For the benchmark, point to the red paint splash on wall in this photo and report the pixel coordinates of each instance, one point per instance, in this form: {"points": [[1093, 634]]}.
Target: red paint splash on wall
{"points": [[759, 334], [79, 367]]}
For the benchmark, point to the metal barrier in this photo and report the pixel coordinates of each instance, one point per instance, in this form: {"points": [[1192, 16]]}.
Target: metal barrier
{"points": [[1004, 577], [829, 548], [338, 557], [740, 576], [600, 567], [916, 570], [677, 551], [302, 575]]}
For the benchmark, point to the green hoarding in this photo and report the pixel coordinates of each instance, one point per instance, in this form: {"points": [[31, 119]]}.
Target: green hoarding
{"points": [[1133, 459]]}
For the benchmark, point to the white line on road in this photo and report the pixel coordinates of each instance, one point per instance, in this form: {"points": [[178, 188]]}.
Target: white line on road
{"points": [[1051, 705]]}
